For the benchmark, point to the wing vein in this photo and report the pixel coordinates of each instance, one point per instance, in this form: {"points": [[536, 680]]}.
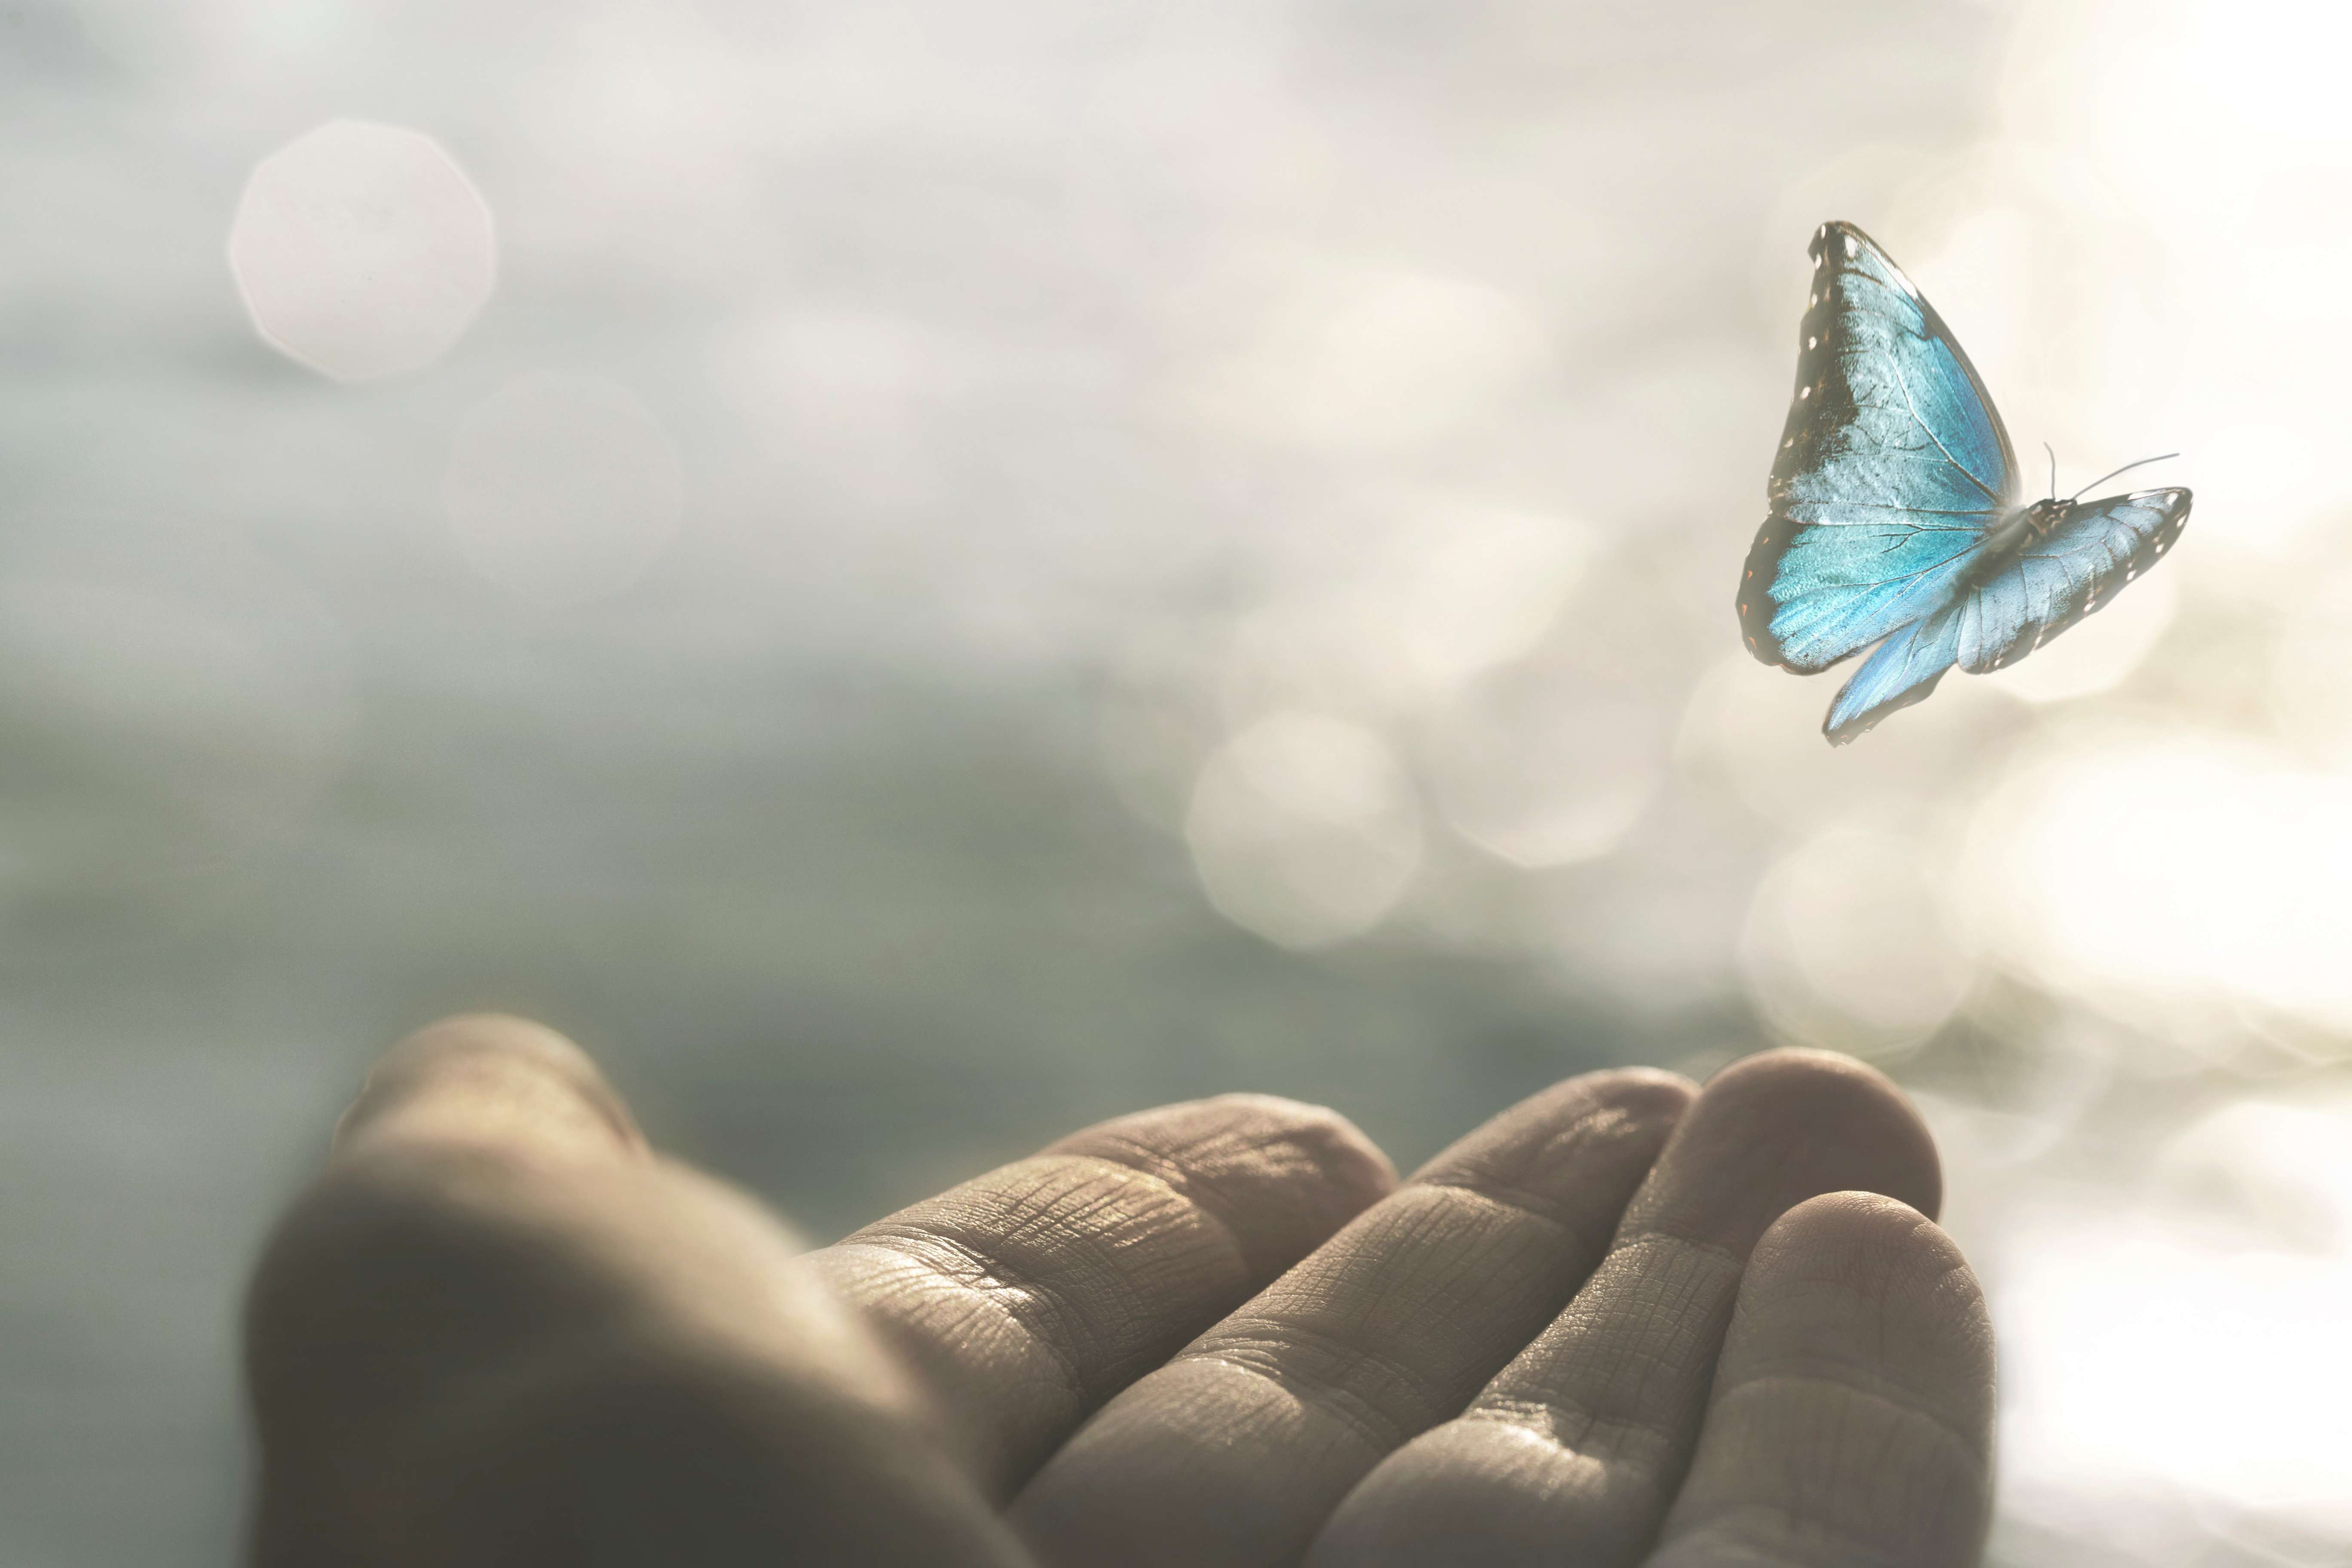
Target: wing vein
{"points": [[1929, 431]]}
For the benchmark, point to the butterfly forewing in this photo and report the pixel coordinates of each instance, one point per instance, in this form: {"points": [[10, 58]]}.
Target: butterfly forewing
{"points": [[1892, 466]]}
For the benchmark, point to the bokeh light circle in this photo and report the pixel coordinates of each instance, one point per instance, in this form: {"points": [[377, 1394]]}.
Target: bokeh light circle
{"points": [[1848, 944], [562, 488], [1305, 829], [363, 250]]}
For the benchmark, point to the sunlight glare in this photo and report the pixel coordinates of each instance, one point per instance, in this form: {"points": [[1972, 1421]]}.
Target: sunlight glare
{"points": [[2171, 868]]}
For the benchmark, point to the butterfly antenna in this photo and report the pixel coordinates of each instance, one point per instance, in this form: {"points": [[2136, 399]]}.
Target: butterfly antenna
{"points": [[2126, 468], [2053, 468]]}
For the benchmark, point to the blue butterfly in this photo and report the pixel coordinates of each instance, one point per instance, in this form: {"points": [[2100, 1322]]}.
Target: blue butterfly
{"points": [[1895, 517]]}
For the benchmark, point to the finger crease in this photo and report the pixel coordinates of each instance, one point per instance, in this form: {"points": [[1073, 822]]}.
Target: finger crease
{"points": [[1629, 1441], [1874, 1390], [1042, 1314], [1519, 1201], [1768, 1535], [1379, 1399], [1188, 1185]]}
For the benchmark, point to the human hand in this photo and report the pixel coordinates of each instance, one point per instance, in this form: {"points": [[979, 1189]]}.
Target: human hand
{"points": [[1614, 1325]]}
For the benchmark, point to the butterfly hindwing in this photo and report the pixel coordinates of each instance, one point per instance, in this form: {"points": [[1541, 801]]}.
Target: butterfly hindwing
{"points": [[2025, 599], [1893, 465], [2082, 563], [1902, 671]]}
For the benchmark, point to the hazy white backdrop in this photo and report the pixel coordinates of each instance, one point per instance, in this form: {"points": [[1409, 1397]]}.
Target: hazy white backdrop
{"points": [[917, 572]]}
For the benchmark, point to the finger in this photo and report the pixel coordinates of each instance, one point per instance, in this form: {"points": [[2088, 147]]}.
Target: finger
{"points": [[1028, 1298], [498, 1331], [1851, 1424], [1573, 1452], [493, 1078], [1236, 1451]]}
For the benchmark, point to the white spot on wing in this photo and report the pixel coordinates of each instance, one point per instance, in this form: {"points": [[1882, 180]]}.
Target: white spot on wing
{"points": [[1850, 248]]}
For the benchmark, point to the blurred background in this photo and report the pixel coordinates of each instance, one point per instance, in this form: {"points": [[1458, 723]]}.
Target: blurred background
{"points": [[915, 574]]}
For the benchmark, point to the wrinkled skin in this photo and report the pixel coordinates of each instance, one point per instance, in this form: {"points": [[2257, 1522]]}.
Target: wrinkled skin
{"points": [[1627, 1321]]}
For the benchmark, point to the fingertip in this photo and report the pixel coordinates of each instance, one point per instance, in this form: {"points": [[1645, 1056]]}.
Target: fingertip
{"points": [[1647, 1093], [1598, 1128], [1281, 1176], [1817, 1121], [1647, 1096], [1852, 1219], [1328, 1141], [1854, 1399], [487, 1076], [1468, 1492], [1788, 1065], [1867, 1246]]}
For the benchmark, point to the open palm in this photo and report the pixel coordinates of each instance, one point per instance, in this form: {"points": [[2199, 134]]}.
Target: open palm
{"points": [[1624, 1322]]}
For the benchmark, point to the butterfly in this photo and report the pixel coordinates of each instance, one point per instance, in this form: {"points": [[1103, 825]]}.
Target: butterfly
{"points": [[1895, 518]]}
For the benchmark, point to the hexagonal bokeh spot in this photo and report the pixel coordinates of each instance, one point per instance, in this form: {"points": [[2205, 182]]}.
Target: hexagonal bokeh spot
{"points": [[363, 250]]}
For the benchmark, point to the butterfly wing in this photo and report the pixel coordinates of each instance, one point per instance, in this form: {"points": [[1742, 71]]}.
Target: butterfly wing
{"points": [[2052, 583], [1893, 465], [1904, 669], [2082, 563]]}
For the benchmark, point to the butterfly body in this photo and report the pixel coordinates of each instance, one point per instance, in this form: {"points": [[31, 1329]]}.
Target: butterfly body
{"points": [[1896, 519]]}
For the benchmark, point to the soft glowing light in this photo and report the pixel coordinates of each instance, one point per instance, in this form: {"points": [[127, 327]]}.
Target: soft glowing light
{"points": [[1847, 944], [1549, 764], [1756, 731], [2265, 1173], [2309, 690], [1303, 829], [562, 489], [2192, 1340], [1435, 596], [2063, 297], [2203, 121], [2174, 868], [851, 395], [1351, 354], [2132, 1354], [823, 377], [362, 250], [1481, 587]]}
